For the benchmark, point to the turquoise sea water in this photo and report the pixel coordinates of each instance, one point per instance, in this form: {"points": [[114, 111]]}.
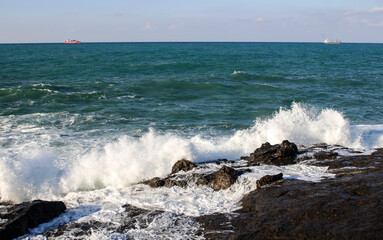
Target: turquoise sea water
{"points": [[84, 123]]}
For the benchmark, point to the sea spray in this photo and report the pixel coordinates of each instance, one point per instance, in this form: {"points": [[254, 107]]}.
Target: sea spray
{"points": [[126, 161], [35, 172], [30, 175], [301, 124]]}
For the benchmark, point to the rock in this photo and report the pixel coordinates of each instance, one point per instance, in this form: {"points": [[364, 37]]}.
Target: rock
{"points": [[155, 182], [18, 219], [173, 182], [183, 165], [268, 179], [278, 154], [223, 178], [322, 155], [346, 207]]}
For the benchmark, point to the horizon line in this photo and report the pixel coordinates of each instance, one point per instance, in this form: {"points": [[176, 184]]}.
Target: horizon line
{"points": [[30, 43]]}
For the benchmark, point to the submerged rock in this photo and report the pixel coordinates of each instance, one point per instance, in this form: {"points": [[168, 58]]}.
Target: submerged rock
{"points": [[278, 154], [268, 179], [16, 220], [183, 165]]}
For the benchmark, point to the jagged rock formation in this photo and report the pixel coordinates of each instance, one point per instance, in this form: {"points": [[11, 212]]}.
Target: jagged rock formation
{"points": [[19, 218], [278, 154]]}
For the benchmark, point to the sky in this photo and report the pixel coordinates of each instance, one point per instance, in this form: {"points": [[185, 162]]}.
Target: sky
{"points": [[34, 21]]}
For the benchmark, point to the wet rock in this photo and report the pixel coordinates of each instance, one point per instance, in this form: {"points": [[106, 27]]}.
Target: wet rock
{"points": [[346, 207], [322, 155], [16, 220], [183, 165], [155, 182], [268, 179], [135, 217], [78, 230], [278, 154], [173, 182], [223, 178]]}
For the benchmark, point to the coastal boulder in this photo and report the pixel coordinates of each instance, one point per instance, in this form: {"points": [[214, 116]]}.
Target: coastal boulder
{"points": [[278, 154], [183, 165], [223, 178], [16, 220], [268, 179]]}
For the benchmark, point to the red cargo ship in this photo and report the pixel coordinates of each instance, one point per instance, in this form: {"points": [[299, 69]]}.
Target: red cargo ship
{"points": [[72, 41]]}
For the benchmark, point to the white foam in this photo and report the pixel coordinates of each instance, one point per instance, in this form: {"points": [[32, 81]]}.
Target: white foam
{"points": [[31, 167], [105, 205], [28, 175], [238, 72], [126, 161]]}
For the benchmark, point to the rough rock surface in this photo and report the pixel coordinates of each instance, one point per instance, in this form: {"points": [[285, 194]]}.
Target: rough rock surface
{"points": [[278, 154], [18, 218], [348, 206], [183, 165], [221, 179], [325, 155], [268, 179]]}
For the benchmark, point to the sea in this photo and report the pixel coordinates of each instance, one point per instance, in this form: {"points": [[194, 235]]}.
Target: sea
{"points": [[87, 123]]}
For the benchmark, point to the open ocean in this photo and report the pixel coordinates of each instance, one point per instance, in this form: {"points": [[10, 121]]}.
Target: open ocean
{"points": [[84, 123]]}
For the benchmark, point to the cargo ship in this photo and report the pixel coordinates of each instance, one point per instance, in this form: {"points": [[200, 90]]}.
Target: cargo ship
{"points": [[72, 41]]}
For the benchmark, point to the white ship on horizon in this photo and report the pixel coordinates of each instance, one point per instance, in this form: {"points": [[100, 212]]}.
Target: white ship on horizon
{"points": [[327, 41]]}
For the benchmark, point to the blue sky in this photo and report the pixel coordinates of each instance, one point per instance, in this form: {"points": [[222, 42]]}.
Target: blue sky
{"points": [[193, 20]]}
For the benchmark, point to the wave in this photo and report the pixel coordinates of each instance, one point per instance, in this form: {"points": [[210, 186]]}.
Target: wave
{"points": [[33, 172]]}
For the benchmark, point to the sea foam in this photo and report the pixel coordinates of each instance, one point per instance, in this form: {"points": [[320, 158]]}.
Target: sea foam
{"points": [[37, 172]]}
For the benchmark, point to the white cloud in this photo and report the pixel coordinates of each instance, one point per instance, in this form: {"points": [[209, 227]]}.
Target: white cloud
{"points": [[376, 9], [369, 17]]}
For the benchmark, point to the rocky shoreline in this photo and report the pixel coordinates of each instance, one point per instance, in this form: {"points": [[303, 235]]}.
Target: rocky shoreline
{"points": [[349, 206]]}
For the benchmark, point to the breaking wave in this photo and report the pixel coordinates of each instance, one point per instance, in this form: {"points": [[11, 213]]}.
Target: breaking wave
{"points": [[45, 173]]}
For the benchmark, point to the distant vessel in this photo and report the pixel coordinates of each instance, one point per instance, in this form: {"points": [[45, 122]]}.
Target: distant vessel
{"points": [[72, 41], [331, 42]]}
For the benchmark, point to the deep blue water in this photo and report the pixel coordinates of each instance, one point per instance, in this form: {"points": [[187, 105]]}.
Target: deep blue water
{"points": [[212, 88]]}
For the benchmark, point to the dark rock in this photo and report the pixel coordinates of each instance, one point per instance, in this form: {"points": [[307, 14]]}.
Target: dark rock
{"points": [[223, 178], [165, 182], [19, 218], [173, 182], [268, 179], [79, 230], [346, 207], [183, 165], [155, 182], [278, 154], [322, 155], [136, 217]]}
